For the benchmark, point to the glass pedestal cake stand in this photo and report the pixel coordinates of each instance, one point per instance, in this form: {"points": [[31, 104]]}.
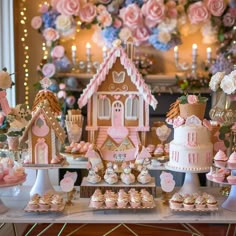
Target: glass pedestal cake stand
{"points": [[3, 186], [191, 180], [230, 202]]}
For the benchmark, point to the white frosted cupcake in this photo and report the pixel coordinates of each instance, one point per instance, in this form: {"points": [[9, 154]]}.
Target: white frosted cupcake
{"points": [[200, 202], [176, 201], [189, 202]]}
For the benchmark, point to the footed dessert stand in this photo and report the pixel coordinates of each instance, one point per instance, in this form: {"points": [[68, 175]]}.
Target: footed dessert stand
{"points": [[42, 183], [230, 202], [191, 181]]}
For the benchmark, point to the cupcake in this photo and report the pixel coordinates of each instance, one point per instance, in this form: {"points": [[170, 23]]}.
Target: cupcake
{"points": [[44, 202], [144, 177], [97, 200], [211, 202], [210, 174], [232, 160], [110, 200], [200, 202], [34, 202], [122, 199], [176, 201], [150, 148], [231, 179], [220, 159], [189, 202], [147, 200], [135, 199], [56, 202], [159, 151], [218, 177]]}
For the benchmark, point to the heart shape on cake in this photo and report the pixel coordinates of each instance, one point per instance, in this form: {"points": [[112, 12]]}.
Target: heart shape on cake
{"points": [[117, 97]]}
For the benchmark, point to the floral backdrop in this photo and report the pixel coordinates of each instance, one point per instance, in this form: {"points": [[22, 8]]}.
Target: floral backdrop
{"points": [[158, 23]]}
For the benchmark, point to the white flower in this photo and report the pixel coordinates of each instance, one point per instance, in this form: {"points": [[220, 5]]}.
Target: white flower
{"points": [[215, 80], [164, 37], [125, 34], [63, 23], [168, 25], [228, 83]]}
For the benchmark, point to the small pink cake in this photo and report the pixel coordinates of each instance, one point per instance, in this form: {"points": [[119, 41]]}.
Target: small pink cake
{"points": [[44, 202], [135, 199], [218, 177], [97, 199], [220, 159], [200, 202], [176, 201], [231, 179], [211, 202], [232, 160], [189, 202]]}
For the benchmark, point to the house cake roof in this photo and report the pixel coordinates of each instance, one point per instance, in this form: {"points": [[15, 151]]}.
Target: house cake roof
{"points": [[44, 108], [132, 71]]}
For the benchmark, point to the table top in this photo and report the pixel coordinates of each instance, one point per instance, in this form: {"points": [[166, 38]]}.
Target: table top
{"points": [[79, 212]]}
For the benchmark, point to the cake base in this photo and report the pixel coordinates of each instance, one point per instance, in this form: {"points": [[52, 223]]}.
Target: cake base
{"points": [[87, 189]]}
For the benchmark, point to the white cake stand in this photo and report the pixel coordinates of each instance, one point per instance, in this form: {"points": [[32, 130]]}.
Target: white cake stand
{"points": [[42, 183], [191, 181], [230, 202]]}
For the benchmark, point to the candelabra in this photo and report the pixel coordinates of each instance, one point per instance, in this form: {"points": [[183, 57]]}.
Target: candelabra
{"points": [[184, 66]]}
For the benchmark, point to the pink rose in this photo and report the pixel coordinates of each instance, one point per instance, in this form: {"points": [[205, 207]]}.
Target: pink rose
{"points": [[68, 7], [87, 12], [216, 7], [101, 9], [61, 94], [131, 16], [50, 34], [58, 51], [44, 8], [70, 100], [48, 70], [36, 22], [228, 19], [192, 99], [197, 13], [178, 121], [153, 12], [104, 19], [54, 3], [62, 86], [140, 35]]}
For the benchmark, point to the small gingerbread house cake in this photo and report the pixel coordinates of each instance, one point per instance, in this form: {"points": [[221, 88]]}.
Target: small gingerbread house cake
{"points": [[118, 101], [42, 132]]}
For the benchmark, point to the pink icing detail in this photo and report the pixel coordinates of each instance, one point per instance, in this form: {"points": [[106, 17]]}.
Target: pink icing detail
{"points": [[220, 156], [117, 114], [40, 131], [102, 96], [118, 132], [143, 154], [175, 156], [4, 103], [117, 97], [128, 155], [207, 124], [208, 158], [178, 121], [192, 139], [41, 152]]}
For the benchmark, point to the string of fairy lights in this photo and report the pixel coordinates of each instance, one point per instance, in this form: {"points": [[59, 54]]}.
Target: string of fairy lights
{"points": [[23, 19]]}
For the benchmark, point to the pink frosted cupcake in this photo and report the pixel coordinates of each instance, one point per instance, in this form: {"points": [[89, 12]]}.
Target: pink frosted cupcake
{"points": [[44, 203], [232, 160], [231, 179], [135, 200], [123, 199], [34, 202], [56, 202], [218, 177], [97, 200], [110, 201], [147, 200], [220, 159], [176, 201], [189, 202]]}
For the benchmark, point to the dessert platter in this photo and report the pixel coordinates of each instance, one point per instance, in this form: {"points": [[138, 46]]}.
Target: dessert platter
{"points": [[193, 203], [224, 172], [49, 202], [132, 199]]}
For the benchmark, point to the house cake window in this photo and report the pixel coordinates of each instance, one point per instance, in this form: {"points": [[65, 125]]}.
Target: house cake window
{"points": [[104, 108], [131, 108]]}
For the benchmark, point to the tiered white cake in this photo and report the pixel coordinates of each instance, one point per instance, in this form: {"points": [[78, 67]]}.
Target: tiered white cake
{"points": [[191, 148]]}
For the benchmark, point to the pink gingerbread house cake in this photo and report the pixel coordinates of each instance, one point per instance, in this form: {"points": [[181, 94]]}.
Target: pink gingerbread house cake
{"points": [[118, 101], [42, 133]]}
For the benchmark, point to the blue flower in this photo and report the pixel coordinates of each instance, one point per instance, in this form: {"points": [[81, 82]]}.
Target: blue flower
{"points": [[138, 2], [110, 34], [49, 18], [153, 40]]}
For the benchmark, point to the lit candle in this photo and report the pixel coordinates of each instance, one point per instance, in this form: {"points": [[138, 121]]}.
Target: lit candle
{"points": [[104, 52], [73, 49], [88, 49], [208, 54], [176, 52], [194, 49]]}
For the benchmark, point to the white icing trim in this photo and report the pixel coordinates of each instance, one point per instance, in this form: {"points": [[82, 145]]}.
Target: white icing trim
{"points": [[53, 145], [118, 77], [141, 123], [127, 109], [94, 111]]}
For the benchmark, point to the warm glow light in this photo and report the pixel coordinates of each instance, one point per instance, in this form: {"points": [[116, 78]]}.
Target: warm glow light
{"points": [[176, 49], [88, 45], [73, 48]]}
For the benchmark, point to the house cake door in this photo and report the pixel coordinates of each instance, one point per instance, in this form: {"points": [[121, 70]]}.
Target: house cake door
{"points": [[117, 114]]}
